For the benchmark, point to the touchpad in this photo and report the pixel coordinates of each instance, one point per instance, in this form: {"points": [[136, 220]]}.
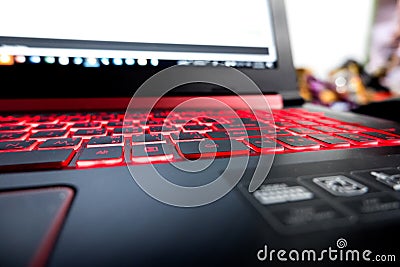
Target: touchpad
{"points": [[29, 224]]}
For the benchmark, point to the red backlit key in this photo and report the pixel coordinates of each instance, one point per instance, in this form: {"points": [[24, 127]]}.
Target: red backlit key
{"points": [[327, 129], [358, 140], [285, 124], [128, 131], [330, 141], [152, 123], [151, 152], [13, 135], [218, 135], [248, 122], [85, 125], [50, 126], [303, 130], [44, 135], [148, 138], [208, 148], [327, 121], [228, 127], [264, 145], [281, 132], [78, 119], [73, 143], [106, 141], [119, 124], [36, 159], [243, 134], [180, 122], [94, 156], [12, 128], [235, 134], [298, 142], [91, 132], [384, 137], [350, 128], [306, 123], [163, 129], [196, 128], [17, 145], [183, 137]]}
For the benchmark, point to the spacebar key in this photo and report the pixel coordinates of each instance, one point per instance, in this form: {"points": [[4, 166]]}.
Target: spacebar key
{"points": [[37, 159]]}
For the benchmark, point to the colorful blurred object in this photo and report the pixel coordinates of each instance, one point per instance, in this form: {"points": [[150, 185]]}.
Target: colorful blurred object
{"points": [[347, 87]]}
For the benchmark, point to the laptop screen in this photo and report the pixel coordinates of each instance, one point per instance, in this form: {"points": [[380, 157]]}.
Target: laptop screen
{"points": [[83, 42]]}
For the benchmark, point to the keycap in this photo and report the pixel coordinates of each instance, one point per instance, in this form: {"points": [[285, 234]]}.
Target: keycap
{"points": [[227, 127], [341, 186], [180, 122], [105, 141], [264, 145], [42, 119], [247, 122], [306, 123], [77, 119], [119, 124], [301, 130], [16, 145], [12, 128], [151, 153], [329, 140], [91, 132], [152, 123], [350, 128], [35, 159], [96, 156], [163, 129], [196, 128], [183, 137], [148, 138], [73, 143], [209, 148], [298, 142], [328, 121], [85, 125], [13, 135], [128, 131], [218, 135], [327, 129], [281, 193], [285, 124], [44, 135], [357, 139], [281, 132], [235, 134], [50, 126], [384, 137]]}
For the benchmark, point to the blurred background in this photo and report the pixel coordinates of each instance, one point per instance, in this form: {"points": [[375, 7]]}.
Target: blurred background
{"points": [[346, 51]]}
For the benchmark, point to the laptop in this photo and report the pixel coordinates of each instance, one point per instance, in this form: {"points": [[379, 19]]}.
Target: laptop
{"points": [[82, 151]]}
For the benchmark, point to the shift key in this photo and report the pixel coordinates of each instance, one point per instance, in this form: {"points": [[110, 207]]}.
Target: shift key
{"points": [[37, 159]]}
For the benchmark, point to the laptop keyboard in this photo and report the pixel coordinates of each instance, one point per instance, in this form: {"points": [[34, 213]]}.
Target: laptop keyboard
{"points": [[82, 140]]}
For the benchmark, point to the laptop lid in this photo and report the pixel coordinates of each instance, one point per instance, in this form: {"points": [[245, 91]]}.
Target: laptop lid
{"points": [[91, 49]]}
